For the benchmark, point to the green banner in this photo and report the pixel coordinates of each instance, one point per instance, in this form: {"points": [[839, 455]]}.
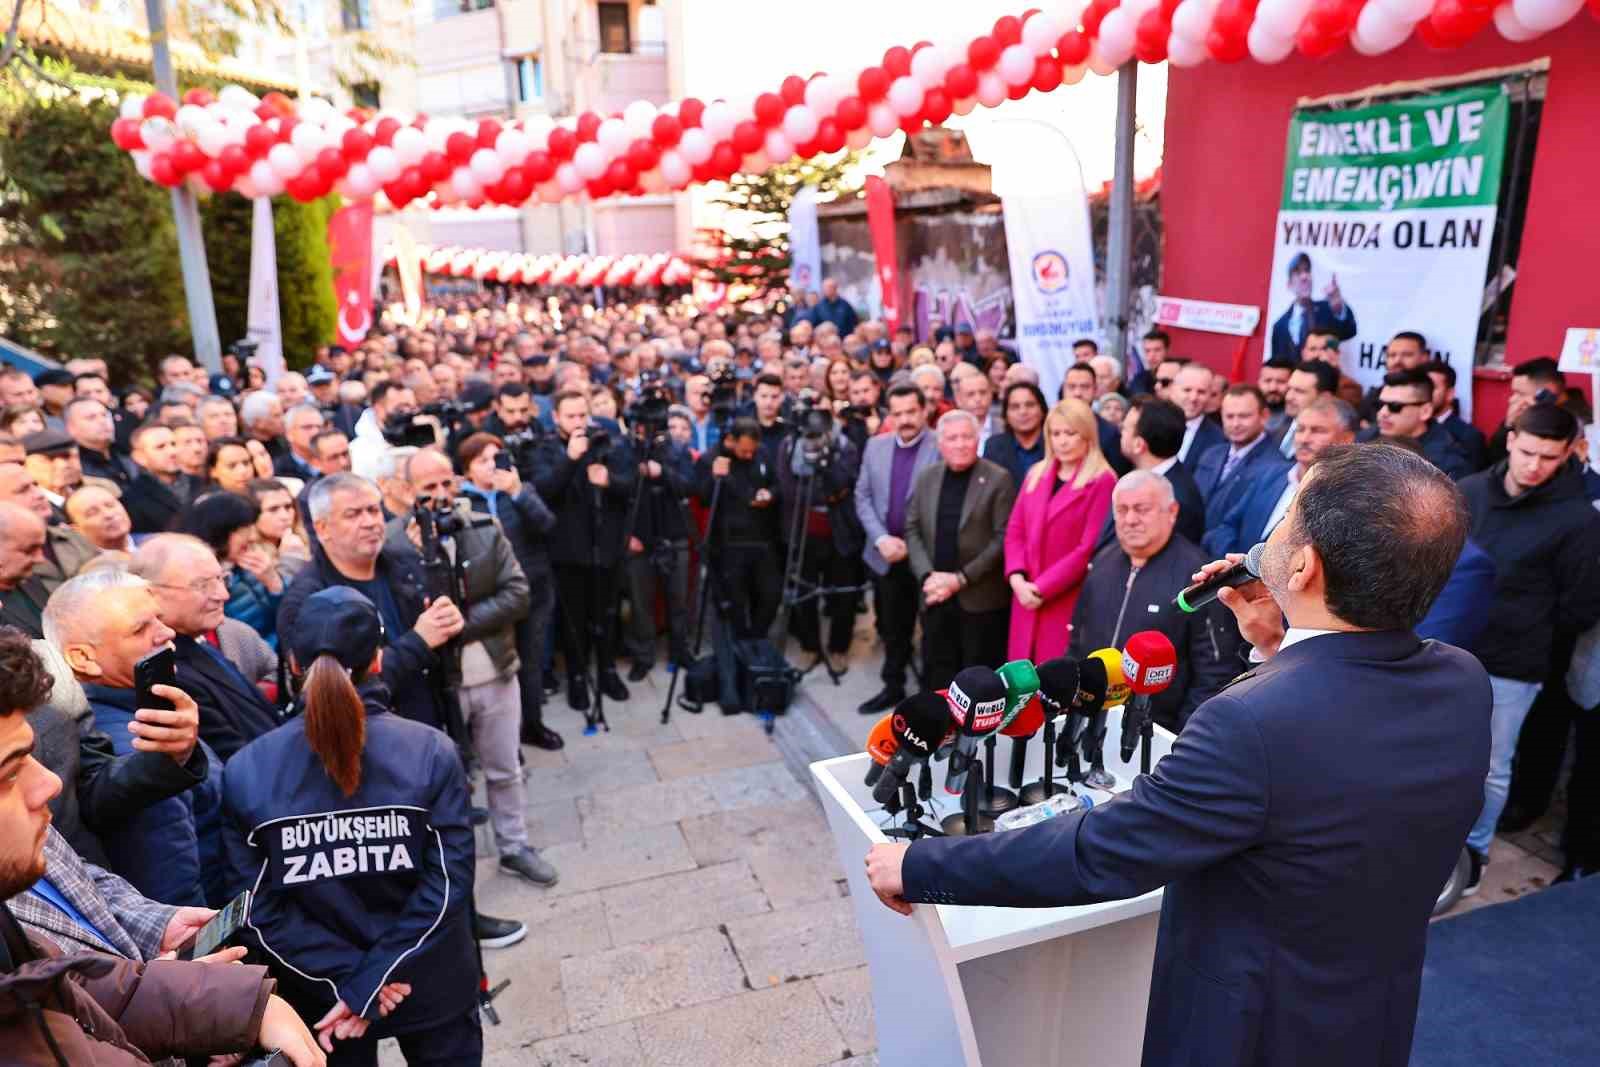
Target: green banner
{"points": [[1442, 150]]}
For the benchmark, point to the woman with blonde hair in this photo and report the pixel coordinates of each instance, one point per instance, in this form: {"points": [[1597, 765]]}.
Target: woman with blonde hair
{"points": [[1061, 506]]}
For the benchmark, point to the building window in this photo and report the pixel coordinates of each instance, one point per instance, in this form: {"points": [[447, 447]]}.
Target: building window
{"points": [[615, 33], [443, 9], [355, 14], [365, 94], [530, 79]]}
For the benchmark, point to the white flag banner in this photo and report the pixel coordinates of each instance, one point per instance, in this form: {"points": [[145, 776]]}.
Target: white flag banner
{"points": [[265, 328], [805, 243], [1051, 250]]}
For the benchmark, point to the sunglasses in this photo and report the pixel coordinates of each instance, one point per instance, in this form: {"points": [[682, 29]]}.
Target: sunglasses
{"points": [[1166, 381], [1395, 407]]}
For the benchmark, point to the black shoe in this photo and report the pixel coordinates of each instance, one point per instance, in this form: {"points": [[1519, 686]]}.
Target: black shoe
{"points": [[886, 698], [498, 933], [640, 671], [612, 686], [1480, 861], [693, 707], [1573, 872], [549, 684], [578, 694], [1516, 819], [527, 863], [542, 737]]}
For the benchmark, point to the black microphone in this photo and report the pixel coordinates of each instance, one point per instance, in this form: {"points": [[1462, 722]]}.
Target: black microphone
{"points": [[1201, 593], [1090, 698], [919, 723]]}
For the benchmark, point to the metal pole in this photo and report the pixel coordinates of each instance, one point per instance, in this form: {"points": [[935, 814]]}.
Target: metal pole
{"points": [[1119, 229], [186, 213]]}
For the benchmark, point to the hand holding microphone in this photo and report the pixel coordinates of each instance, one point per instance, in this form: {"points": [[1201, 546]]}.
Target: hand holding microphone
{"points": [[1236, 582], [1149, 663]]}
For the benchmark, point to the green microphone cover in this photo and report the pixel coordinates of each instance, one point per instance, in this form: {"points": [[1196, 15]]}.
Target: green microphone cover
{"points": [[1022, 683]]}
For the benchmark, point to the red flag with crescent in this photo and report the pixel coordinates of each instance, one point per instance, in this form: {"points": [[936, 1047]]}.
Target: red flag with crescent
{"points": [[880, 221], [350, 248]]}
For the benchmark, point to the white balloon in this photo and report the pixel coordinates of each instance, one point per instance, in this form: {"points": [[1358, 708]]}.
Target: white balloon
{"points": [[308, 138], [1266, 46], [285, 161], [158, 134], [512, 146], [538, 128], [755, 163], [1505, 20], [613, 137], [1378, 30], [190, 118], [881, 120], [486, 166], [1115, 40], [824, 93], [568, 179], [237, 98], [132, 106], [905, 95], [591, 161], [141, 162], [1070, 12], [1041, 32], [1074, 74], [265, 179], [695, 146], [964, 106], [924, 67], [1101, 63], [651, 181], [1280, 19], [1541, 16], [212, 139], [1016, 62], [315, 109], [1181, 52], [245, 187], [637, 117], [718, 120], [362, 182], [464, 185], [384, 164], [857, 139], [1192, 19], [778, 147], [991, 89], [410, 145], [799, 124], [675, 170], [1407, 11]]}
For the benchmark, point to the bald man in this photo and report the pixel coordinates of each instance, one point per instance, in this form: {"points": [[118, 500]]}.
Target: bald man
{"points": [[22, 595]]}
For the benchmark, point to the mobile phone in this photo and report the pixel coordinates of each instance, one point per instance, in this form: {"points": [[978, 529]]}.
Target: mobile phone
{"points": [[216, 933], [275, 1058], [502, 461], [158, 668]]}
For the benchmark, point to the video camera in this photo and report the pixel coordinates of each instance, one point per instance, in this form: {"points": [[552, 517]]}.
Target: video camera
{"points": [[725, 391], [411, 429], [649, 413], [600, 445], [520, 445]]}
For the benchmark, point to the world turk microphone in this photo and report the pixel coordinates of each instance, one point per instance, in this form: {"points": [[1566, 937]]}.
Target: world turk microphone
{"points": [[1203, 592], [1149, 664], [918, 726], [977, 701]]}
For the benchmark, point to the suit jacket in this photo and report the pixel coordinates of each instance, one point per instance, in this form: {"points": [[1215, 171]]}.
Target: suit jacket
{"points": [[984, 514], [1245, 522], [872, 488], [1111, 446], [152, 504], [1299, 880], [1439, 448], [132, 923], [232, 711], [1469, 438], [1286, 346], [66, 551], [1458, 616], [1206, 436], [14, 613], [1219, 493]]}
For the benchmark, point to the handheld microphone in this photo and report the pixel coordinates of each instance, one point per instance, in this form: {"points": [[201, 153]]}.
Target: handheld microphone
{"points": [[917, 726], [1149, 663], [977, 701], [881, 746], [1201, 593]]}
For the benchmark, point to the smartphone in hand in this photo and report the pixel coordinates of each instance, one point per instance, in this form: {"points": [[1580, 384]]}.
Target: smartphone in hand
{"points": [[158, 668]]}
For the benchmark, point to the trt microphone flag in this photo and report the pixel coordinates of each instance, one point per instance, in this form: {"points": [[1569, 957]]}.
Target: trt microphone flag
{"points": [[262, 323]]}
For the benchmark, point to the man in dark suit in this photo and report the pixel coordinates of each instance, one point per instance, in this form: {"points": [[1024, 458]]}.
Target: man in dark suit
{"points": [[1226, 471], [955, 540], [1468, 437], [1299, 882], [1152, 432], [160, 490], [1405, 409], [1190, 390], [1305, 314]]}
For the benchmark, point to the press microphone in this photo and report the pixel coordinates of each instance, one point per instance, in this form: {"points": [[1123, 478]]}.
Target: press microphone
{"points": [[1149, 663], [977, 701], [1203, 592], [1058, 692], [1020, 729], [1022, 684], [918, 725], [881, 747], [1094, 732]]}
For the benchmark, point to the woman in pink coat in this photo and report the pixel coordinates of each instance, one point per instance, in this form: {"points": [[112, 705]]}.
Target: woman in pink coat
{"points": [[1060, 509]]}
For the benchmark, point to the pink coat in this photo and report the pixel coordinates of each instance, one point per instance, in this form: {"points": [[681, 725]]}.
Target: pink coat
{"points": [[1050, 539]]}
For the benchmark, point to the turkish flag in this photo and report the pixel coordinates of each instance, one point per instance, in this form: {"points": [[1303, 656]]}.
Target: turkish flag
{"points": [[350, 249], [880, 220]]}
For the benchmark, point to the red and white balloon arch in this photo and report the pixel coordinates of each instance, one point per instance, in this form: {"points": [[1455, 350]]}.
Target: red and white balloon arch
{"points": [[263, 147], [517, 268]]}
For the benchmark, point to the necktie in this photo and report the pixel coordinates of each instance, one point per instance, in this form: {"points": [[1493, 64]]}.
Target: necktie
{"points": [[1230, 463]]}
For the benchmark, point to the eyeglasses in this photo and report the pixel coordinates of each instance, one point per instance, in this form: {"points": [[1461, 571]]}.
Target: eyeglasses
{"points": [[198, 586], [1166, 381], [1395, 407]]}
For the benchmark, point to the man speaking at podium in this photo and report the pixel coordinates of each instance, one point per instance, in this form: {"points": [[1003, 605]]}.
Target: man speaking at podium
{"points": [[1309, 813]]}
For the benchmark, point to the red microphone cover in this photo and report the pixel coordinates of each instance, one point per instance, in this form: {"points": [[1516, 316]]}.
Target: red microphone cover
{"points": [[1149, 662], [881, 744], [1028, 720]]}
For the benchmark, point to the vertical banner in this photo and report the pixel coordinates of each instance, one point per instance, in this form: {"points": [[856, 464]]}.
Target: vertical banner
{"points": [[262, 323], [350, 249], [1387, 215], [880, 220], [805, 243], [408, 265], [1051, 249]]}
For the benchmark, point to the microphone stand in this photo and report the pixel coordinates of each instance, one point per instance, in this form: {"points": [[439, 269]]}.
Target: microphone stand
{"points": [[914, 829], [1046, 787], [997, 800], [970, 819], [1094, 741]]}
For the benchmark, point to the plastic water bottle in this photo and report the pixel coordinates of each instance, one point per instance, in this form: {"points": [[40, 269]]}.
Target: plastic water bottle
{"points": [[1060, 804]]}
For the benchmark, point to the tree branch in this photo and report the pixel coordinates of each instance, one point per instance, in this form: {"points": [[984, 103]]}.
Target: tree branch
{"points": [[10, 47]]}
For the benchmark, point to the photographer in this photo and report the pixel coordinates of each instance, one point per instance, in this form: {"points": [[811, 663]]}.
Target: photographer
{"points": [[830, 533], [391, 404], [658, 544], [863, 416], [586, 473], [767, 403]]}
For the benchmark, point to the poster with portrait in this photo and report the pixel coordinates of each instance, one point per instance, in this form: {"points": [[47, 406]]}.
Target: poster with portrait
{"points": [[1385, 224], [1051, 251]]}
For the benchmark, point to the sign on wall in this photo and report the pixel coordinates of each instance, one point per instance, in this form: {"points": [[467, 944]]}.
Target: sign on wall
{"points": [[1385, 224], [1052, 277]]}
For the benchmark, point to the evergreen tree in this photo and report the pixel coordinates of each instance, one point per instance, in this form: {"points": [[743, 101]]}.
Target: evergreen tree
{"points": [[761, 257]]}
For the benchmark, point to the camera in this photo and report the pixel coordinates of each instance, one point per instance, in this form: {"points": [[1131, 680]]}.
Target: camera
{"points": [[725, 391], [404, 429], [519, 445], [649, 411], [437, 519], [599, 447], [810, 416]]}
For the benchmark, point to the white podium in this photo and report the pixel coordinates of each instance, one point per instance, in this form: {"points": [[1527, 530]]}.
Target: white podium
{"points": [[998, 987]]}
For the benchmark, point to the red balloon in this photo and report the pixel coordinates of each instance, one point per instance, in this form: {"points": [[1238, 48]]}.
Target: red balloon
{"points": [[435, 166], [1594, 8], [264, 111], [280, 104], [159, 106], [397, 194], [1224, 47], [563, 142], [793, 90], [1167, 8], [516, 184], [540, 167], [643, 155], [355, 144], [830, 136], [187, 157], [162, 172], [215, 175], [1017, 92], [1314, 45], [286, 127], [769, 109], [234, 159], [385, 131], [872, 83], [851, 113], [1007, 31], [725, 160], [1097, 10], [911, 123], [415, 182], [331, 164], [599, 189], [459, 147], [897, 62], [1456, 23], [1046, 75], [199, 97], [702, 173], [302, 187], [960, 82], [588, 126], [666, 130], [258, 140], [1329, 18], [1073, 48], [983, 53], [689, 111], [488, 131], [125, 134], [1150, 38], [936, 105], [1232, 19], [1428, 31], [620, 175], [747, 137]]}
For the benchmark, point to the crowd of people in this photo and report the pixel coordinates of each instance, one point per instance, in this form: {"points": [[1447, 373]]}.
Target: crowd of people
{"points": [[374, 574]]}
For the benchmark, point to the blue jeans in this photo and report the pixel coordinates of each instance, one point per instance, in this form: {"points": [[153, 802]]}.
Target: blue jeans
{"points": [[1512, 699]]}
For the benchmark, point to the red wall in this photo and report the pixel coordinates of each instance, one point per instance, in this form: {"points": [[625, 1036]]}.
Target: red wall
{"points": [[1223, 172]]}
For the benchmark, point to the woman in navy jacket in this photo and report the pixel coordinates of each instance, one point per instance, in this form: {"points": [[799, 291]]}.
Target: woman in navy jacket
{"points": [[350, 825]]}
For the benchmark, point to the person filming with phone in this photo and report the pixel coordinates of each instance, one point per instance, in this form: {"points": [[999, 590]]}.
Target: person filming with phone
{"points": [[350, 825]]}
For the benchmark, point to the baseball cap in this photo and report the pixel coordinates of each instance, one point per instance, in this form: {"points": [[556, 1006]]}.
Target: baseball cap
{"points": [[222, 385], [54, 376], [319, 375], [48, 442], [477, 396], [340, 622]]}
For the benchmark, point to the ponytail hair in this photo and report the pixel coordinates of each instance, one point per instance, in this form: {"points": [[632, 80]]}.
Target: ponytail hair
{"points": [[336, 721]]}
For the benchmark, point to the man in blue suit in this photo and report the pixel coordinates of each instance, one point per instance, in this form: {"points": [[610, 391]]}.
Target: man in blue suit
{"points": [[1290, 330], [1328, 421], [1226, 471], [1301, 839]]}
